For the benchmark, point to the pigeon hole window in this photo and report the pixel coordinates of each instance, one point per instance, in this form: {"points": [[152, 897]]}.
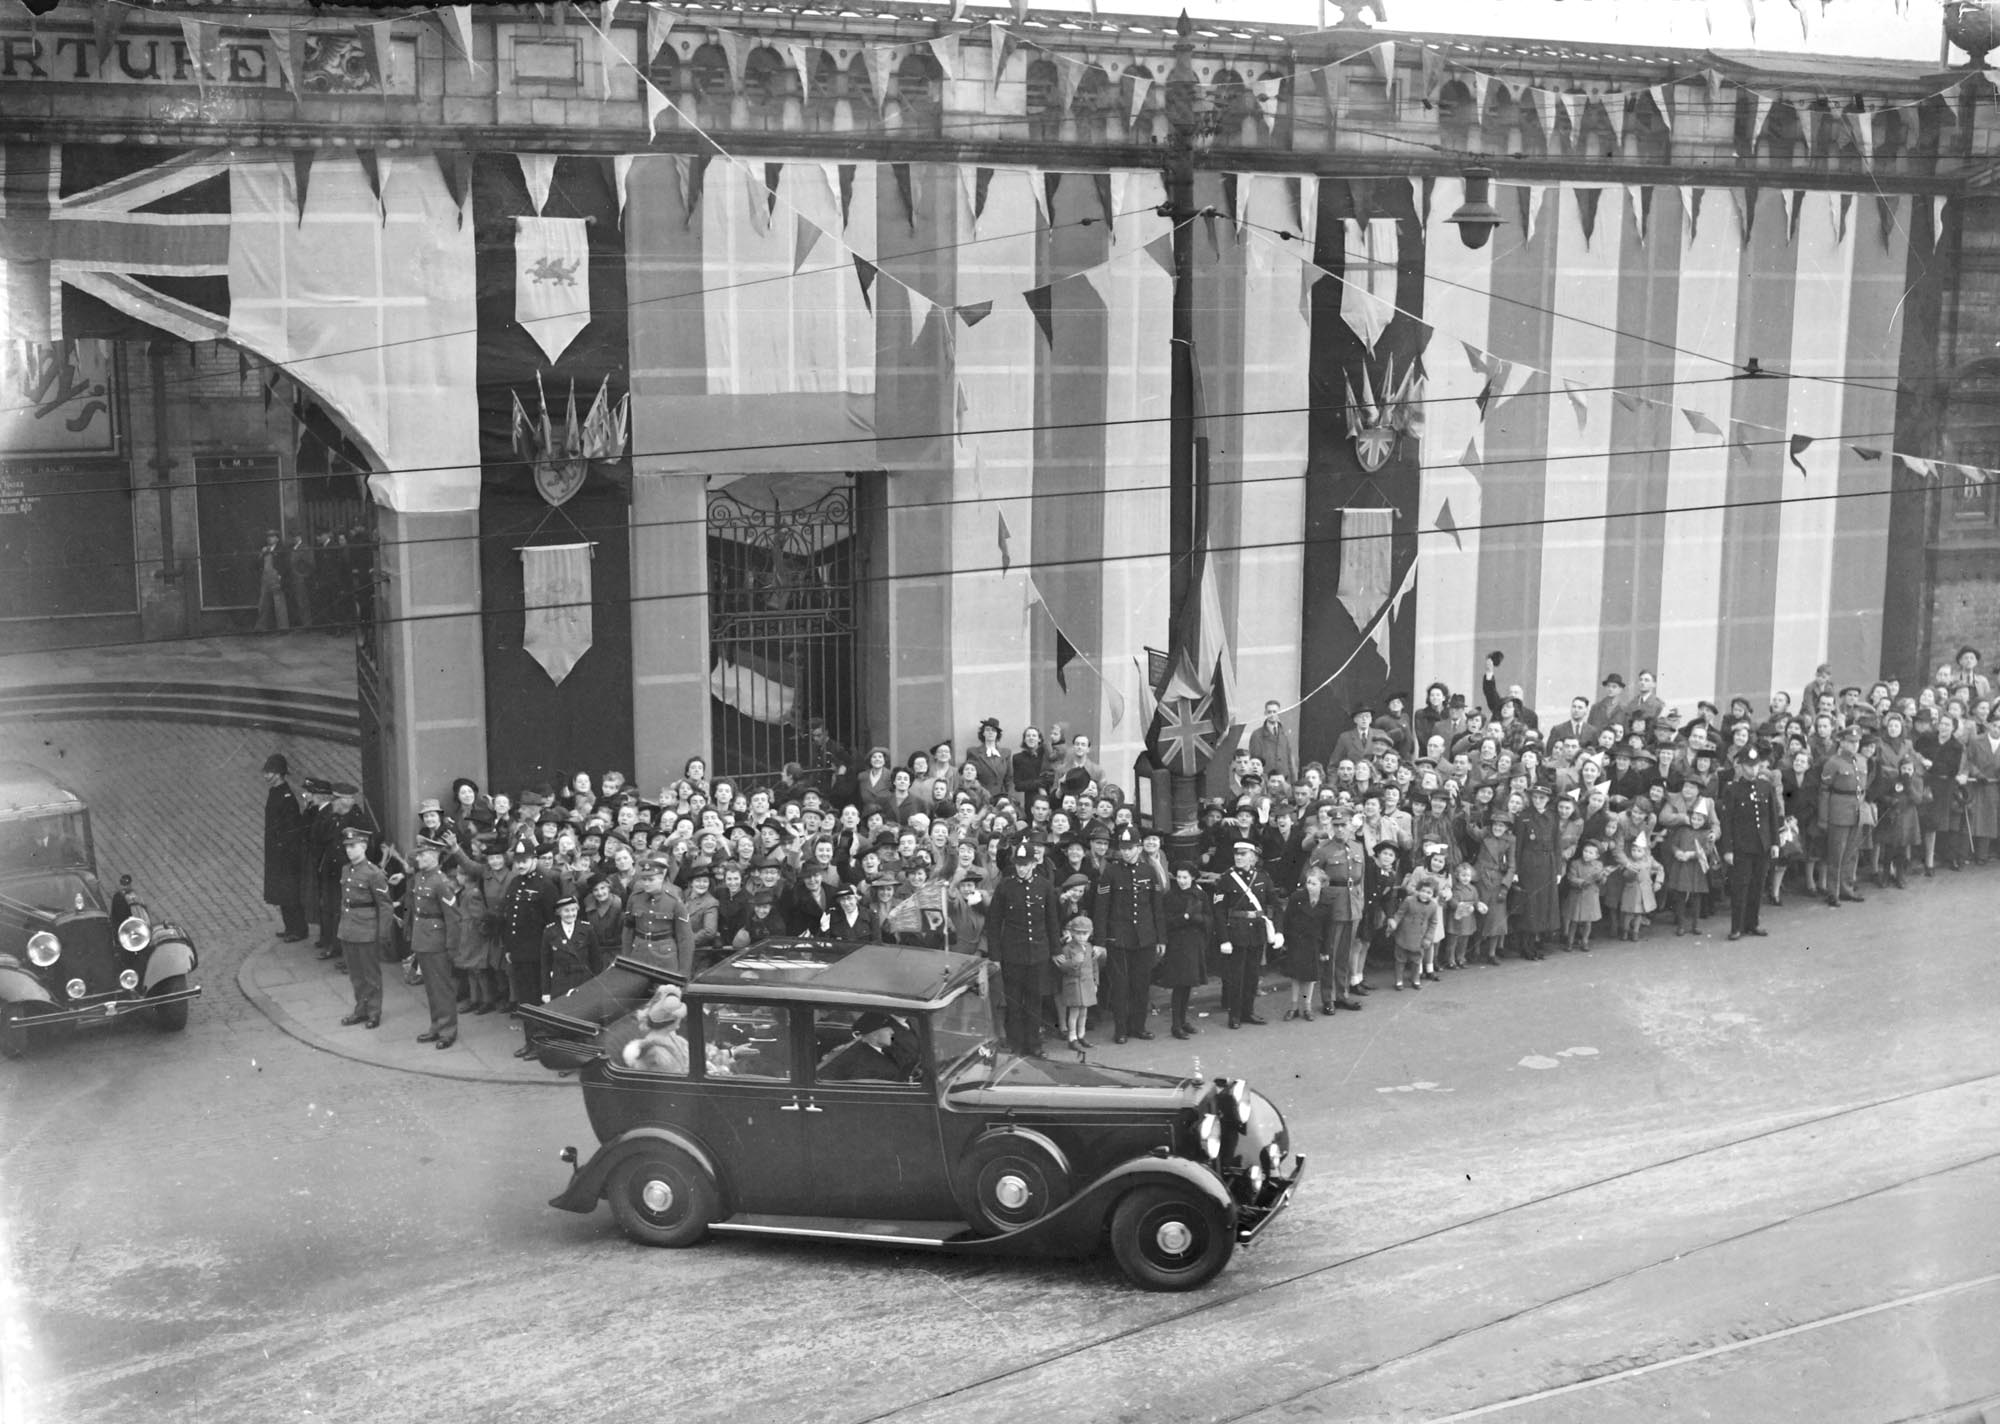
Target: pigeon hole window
{"points": [[920, 94]]}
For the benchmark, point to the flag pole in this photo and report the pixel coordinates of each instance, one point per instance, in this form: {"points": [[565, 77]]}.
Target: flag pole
{"points": [[1187, 493]]}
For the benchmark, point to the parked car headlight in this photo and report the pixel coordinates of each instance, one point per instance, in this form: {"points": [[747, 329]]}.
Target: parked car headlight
{"points": [[76, 988], [135, 934], [128, 980], [43, 948], [1209, 1134]]}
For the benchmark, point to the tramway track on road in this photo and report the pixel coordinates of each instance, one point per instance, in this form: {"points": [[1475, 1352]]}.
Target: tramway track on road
{"points": [[1221, 1301]]}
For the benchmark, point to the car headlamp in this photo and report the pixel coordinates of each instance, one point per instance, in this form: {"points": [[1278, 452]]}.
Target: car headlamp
{"points": [[43, 949], [76, 988], [128, 980], [1209, 1134], [1272, 1157], [135, 934]]}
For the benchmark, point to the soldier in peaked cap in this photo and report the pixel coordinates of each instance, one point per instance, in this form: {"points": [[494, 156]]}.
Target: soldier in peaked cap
{"points": [[431, 896], [366, 918]]}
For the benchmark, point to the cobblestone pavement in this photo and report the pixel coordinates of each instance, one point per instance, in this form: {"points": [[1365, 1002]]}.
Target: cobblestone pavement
{"points": [[180, 809]]}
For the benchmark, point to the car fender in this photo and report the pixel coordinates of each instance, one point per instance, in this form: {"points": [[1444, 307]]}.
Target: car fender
{"points": [[1077, 1225], [19, 987], [168, 958], [586, 1184]]}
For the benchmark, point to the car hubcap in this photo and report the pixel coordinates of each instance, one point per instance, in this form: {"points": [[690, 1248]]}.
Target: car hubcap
{"points": [[658, 1196], [1174, 1238], [1011, 1192]]}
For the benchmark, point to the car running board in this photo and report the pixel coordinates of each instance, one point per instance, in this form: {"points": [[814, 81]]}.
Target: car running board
{"points": [[834, 1228]]}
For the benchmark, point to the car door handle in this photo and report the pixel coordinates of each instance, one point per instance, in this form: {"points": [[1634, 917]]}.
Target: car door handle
{"points": [[792, 1106], [813, 1107]]}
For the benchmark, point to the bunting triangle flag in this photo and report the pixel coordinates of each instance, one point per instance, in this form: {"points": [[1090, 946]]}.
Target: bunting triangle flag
{"points": [[975, 312], [461, 24], [656, 105], [1627, 400], [1445, 522], [659, 26], [107, 20], [383, 34], [1794, 205], [1384, 56], [805, 237], [1861, 125], [864, 272], [1800, 443], [1470, 459], [1577, 403], [1573, 106], [1746, 210], [1700, 423], [197, 45], [945, 50], [281, 44], [960, 405], [1161, 250], [1141, 87], [1065, 655], [538, 171], [1612, 103], [844, 186], [1001, 45], [552, 281], [374, 167], [1586, 211], [731, 45], [302, 167], [1866, 452], [1659, 94], [455, 171], [921, 307], [621, 177], [1545, 106], [1040, 301], [901, 173], [1691, 205], [1763, 113], [796, 53], [1006, 553]]}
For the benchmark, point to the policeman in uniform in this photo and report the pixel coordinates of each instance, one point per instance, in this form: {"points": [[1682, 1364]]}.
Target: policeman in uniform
{"points": [[1245, 901], [526, 908], [657, 929], [1021, 938], [1126, 910], [1341, 859], [1746, 835], [366, 916], [1843, 782], [431, 892]]}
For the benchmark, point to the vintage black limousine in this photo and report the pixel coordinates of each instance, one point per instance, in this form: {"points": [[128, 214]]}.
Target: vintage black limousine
{"points": [[859, 1093]]}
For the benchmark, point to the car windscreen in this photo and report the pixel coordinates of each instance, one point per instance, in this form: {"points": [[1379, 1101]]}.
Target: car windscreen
{"points": [[962, 1025], [58, 893], [44, 844]]}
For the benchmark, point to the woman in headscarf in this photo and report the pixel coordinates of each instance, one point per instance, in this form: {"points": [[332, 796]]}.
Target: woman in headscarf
{"points": [[1943, 812]]}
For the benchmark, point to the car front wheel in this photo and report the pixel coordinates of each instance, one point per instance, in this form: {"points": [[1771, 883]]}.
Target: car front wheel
{"points": [[1166, 1240], [171, 1018], [661, 1197], [13, 1031]]}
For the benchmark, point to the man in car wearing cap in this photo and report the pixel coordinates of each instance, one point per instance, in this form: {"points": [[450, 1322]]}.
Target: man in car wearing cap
{"points": [[1747, 834], [366, 914], [1021, 937], [1245, 901], [872, 1055], [1843, 784], [1127, 910]]}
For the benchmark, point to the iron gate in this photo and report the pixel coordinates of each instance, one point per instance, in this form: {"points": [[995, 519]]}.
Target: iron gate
{"points": [[782, 586]]}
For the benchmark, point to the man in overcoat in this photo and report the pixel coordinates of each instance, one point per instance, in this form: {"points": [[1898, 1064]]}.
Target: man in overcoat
{"points": [[284, 849]]}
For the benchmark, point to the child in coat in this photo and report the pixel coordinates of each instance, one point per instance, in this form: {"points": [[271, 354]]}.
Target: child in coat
{"points": [[1077, 959], [1640, 896], [1584, 901], [1462, 915], [1411, 928], [1687, 861]]}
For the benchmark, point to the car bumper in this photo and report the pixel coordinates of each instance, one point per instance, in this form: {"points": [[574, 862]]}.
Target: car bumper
{"points": [[104, 1010], [1276, 1196]]}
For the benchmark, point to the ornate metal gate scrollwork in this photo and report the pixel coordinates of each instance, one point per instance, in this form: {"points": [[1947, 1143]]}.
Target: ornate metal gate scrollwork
{"points": [[782, 623]]}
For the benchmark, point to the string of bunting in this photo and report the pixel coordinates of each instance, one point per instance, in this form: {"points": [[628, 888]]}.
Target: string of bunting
{"points": [[1505, 378]]}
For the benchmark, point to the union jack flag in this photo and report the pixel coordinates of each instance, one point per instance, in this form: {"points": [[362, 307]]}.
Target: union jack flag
{"points": [[135, 230]]}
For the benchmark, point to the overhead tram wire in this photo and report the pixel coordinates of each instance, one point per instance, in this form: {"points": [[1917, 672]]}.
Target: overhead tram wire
{"points": [[1032, 429], [1033, 564]]}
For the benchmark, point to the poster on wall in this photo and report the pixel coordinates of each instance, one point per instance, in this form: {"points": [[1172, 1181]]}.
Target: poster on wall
{"points": [[57, 398], [66, 538]]}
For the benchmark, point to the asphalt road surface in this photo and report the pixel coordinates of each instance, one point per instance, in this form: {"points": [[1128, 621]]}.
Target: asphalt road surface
{"points": [[1679, 1180]]}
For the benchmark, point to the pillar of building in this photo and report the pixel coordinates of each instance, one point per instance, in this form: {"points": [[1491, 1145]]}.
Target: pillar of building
{"points": [[432, 666], [669, 622]]}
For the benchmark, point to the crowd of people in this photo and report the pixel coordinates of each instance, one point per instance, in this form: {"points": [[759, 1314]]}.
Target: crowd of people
{"points": [[1427, 841], [302, 582]]}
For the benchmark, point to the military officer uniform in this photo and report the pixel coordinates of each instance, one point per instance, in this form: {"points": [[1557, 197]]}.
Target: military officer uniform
{"points": [[366, 916], [1746, 834], [1843, 783], [526, 908], [1245, 901], [658, 931], [1021, 937], [431, 893], [1346, 868], [1127, 919]]}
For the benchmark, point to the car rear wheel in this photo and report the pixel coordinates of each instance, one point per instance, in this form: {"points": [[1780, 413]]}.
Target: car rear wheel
{"points": [[13, 1031], [661, 1197], [171, 1018], [1166, 1240], [1012, 1183]]}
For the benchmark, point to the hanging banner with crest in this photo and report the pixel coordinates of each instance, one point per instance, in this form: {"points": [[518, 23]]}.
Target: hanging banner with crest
{"points": [[552, 281], [555, 586]]}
